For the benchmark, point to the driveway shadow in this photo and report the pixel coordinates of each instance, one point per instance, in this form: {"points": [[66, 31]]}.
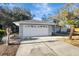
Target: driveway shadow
{"points": [[33, 40], [29, 39]]}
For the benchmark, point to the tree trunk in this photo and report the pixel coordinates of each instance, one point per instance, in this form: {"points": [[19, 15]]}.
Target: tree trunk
{"points": [[7, 41], [71, 32]]}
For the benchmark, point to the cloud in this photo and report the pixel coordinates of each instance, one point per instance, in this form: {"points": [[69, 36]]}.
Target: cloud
{"points": [[42, 9], [10, 5]]}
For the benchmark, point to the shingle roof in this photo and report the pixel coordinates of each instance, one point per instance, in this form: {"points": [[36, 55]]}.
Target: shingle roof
{"points": [[35, 22]]}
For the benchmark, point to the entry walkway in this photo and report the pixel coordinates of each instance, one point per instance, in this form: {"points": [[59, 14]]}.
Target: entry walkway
{"points": [[50, 48]]}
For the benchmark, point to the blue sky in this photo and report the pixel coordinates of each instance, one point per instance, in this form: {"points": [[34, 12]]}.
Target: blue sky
{"points": [[39, 9]]}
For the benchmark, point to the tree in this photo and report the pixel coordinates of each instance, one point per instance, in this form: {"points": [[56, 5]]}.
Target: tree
{"points": [[8, 16], [68, 17], [21, 14]]}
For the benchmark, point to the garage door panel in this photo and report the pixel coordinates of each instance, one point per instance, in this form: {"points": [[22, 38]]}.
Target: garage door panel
{"points": [[35, 31]]}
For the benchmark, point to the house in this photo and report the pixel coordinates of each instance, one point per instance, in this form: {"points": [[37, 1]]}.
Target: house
{"points": [[59, 28], [55, 20], [29, 28]]}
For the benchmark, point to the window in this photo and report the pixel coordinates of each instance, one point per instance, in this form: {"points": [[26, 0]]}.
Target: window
{"points": [[43, 26], [46, 26], [31, 25], [34, 25], [28, 25], [25, 26], [38, 26]]}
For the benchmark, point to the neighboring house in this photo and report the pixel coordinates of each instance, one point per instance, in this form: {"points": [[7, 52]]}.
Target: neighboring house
{"points": [[29, 28], [54, 19], [59, 28]]}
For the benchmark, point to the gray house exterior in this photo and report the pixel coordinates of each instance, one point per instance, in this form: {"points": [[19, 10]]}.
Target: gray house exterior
{"points": [[30, 28]]}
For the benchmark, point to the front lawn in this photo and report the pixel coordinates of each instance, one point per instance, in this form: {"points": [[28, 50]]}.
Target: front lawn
{"points": [[74, 42]]}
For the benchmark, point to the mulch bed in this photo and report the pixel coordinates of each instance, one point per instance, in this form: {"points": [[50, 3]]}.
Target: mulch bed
{"points": [[2, 49], [11, 49], [8, 50]]}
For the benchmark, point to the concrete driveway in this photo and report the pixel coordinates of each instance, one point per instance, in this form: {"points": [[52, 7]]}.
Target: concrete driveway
{"points": [[47, 46], [43, 39]]}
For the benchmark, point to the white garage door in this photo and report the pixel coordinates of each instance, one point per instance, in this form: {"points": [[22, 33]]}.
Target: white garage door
{"points": [[35, 30]]}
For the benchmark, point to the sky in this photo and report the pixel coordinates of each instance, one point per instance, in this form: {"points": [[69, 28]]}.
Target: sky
{"points": [[38, 9]]}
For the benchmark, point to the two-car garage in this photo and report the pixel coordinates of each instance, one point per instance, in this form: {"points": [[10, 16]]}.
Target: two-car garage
{"points": [[35, 30]]}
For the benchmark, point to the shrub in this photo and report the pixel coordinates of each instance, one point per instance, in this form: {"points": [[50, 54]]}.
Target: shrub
{"points": [[2, 33]]}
